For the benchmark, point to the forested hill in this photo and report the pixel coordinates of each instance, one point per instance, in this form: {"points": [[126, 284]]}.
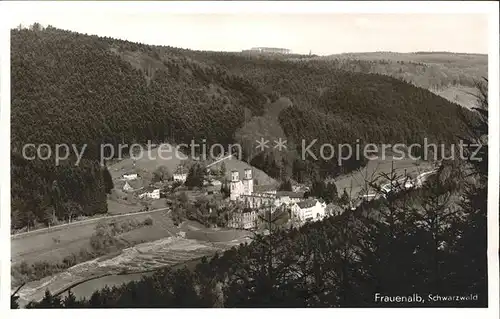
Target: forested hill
{"points": [[337, 106], [79, 89], [69, 87]]}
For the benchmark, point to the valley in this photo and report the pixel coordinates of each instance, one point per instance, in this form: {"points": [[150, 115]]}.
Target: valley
{"points": [[108, 220]]}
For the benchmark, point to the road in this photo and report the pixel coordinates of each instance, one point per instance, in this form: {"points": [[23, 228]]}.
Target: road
{"points": [[220, 160], [86, 221], [415, 182]]}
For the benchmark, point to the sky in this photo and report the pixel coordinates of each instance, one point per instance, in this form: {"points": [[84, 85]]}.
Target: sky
{"points": [[322, 34]]}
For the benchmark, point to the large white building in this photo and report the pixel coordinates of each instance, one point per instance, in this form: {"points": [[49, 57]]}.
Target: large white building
{"points": [[130, 176], [259, 196], [241, 187], [308, 210]]}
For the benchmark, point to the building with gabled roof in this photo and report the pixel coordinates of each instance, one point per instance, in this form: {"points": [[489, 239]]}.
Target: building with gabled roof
{"points": [[130, 176], [180, 174], [150, 192], [310, 209], [132, 186]]}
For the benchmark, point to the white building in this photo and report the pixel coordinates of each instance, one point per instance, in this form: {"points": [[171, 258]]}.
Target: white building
{"points": [[132, 186], [260, 195], [266, 189], [152, 193], [247, 219], [308, 210], [288, 198], [129, 176], [180, 175], [238, 187], [216, 183], [127, 187]]}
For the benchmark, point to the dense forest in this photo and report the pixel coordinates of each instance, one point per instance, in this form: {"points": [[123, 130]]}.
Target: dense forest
{"points": [[72, 88], [337, 106], [75, 89]]}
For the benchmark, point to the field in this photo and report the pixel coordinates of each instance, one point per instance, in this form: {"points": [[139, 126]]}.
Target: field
{"points": [[56, 243], [460, 59], [148, 161], [195, 230], [116, 207], [462, 95]]}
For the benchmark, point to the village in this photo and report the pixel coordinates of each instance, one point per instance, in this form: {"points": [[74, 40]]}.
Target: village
{"points": [[237, 194], [240, 190]]}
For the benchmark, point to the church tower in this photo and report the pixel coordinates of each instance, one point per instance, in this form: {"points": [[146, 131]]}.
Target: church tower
{"points": [[248, 182], [235, 185]]}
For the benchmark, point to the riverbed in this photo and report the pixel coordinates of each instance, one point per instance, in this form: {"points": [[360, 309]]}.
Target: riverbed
{"points": [[167, 252]]}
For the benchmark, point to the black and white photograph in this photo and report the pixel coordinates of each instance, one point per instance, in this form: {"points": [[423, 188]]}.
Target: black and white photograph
{"points": [[250, 155]]}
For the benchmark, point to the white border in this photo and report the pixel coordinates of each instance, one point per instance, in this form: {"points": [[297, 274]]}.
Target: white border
{"points": [[490, 8], [285, 7], [4, 162], [494, 162]]}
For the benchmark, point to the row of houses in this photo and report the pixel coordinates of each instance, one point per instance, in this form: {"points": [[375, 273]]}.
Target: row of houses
{"points": [[151, 192], [180, 175], [308, 210]]}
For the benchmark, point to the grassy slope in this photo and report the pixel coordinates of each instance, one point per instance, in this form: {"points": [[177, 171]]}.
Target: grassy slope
{"points": [[54, 245], [463, 95], [267, 127]]}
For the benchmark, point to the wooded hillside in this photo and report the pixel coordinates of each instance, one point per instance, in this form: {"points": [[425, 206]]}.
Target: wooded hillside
{"points": [[71, 88]]}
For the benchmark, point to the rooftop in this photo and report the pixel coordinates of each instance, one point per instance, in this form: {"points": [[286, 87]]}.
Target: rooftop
{"points": [[264, 188], [290, 194], [307, 203], [149, 189], [135, 184], [180, 169]]}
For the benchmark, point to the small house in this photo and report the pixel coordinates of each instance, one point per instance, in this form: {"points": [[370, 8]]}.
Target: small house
{"points": [[180, 174], [131, 186], [129, 176], [150, 192]]}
